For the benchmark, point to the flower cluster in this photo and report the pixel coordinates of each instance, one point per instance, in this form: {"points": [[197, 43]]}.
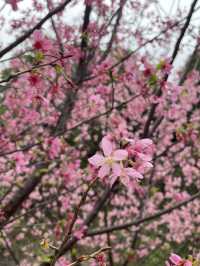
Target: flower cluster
{"points": [[128, 164], [175, 260], [41, 43]]}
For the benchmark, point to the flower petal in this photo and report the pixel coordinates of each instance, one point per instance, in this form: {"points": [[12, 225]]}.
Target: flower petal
{"points": [[144, 166], [146, 142], [188, 263], [107, 146], [104, 171], [175, 259], [133, 173], [125, 181], [116, 169], [148, 165], [37, 35], [120, 155], [144, 157], [113, 178], [96, 160]]}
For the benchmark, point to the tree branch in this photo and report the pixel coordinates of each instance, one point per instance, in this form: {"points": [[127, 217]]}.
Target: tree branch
{"points": [[173, 57], [114, 32], [90, 218], [142, 220], [37, 26]]}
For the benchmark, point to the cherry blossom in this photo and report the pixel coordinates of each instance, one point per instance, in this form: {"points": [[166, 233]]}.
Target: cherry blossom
{"points": [[13, 3], [175, 260], [92, 96], [110, 162], [41, 42]]}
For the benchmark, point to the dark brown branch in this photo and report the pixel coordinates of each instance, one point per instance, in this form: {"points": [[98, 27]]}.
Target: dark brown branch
{"points": [[86, 121], [10, 250], [37, 26], [21, 194], [109, 242], [82, 66], [55, 30], [16, 75], [183, 31], [143, 201], [90, 218], [71, 225], [173, 57], [192, 63], [81, 71], [155, 38], [114, 32], [143, 220], [148, 122], [30, 211]]}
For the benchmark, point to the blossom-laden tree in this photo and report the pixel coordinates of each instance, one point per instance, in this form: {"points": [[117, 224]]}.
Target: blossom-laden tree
{"points": [[99, 133]]}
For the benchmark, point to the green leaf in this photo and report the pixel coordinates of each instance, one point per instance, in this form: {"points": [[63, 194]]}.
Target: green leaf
{"points": [[74, 252], [58, 69], [153, 80], [160, 65], [3, 109], [42, 171], [39, 56], [46, 258], [29, 58]]}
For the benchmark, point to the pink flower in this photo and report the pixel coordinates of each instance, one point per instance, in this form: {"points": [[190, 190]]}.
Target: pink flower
{"points": [[128, 174], [101, 260], [33, 79], [13, 4], [55, 147], [141, 152], [62, 262], [176, 260], [40, 42], [80, 231], [20, 162], [142, 149], [110, 161]]}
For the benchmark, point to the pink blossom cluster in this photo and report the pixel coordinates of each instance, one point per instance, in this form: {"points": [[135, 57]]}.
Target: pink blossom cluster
{"points": [[176, 260], [128, 164], [41, 43], [54, 110]]}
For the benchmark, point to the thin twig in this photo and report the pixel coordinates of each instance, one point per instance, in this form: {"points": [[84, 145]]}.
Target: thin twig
{"points": [[71, 225], [89, 257], [10, 250]]}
